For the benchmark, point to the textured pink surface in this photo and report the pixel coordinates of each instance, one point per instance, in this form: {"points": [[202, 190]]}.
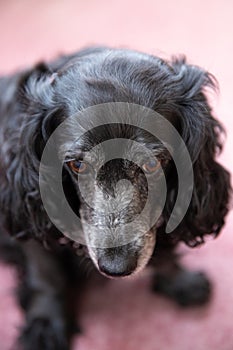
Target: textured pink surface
{"points": [[124, 314]]}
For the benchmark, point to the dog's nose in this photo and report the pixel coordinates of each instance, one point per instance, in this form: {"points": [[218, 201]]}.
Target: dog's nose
{"points": [[117, 264], [117, 267]]}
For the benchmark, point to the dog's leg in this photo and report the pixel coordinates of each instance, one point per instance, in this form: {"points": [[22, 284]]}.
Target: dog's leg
{"points": [[43, 298], [185, 287]]}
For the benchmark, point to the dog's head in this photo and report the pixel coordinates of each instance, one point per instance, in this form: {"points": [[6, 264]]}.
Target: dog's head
{"points": [[109, 192]]}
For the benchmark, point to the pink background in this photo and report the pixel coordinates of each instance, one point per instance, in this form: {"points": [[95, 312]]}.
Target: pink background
{"points": [[125, 314]]}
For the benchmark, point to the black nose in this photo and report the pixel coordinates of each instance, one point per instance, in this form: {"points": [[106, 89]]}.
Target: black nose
{"points": [[116, 262]]}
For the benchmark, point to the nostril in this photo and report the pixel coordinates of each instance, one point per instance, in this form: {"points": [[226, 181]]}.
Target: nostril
{"points": [[117, 266]]}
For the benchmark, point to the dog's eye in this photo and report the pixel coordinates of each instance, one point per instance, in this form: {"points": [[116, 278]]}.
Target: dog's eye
{"points": [[78, 166], [151, 166]]}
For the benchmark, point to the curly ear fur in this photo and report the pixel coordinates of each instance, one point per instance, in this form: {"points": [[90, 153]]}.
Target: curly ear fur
{"points": [[19, 187], [201, 133]]}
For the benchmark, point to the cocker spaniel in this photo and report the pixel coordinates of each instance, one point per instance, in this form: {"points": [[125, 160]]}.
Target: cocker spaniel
{"points": [[119, 242]]}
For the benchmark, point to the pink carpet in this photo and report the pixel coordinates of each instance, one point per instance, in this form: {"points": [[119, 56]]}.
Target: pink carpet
{"points": [[125, 314]]}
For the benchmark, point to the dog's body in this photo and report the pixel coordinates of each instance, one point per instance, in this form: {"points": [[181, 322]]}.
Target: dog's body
{"points": [[32, 104]]}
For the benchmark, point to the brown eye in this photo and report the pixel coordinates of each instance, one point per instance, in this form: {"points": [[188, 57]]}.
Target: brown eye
{"points": [[78, 166], [151, 166]]}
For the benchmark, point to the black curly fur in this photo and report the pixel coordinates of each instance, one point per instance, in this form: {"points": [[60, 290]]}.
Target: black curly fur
{"points": [[35, 101]]}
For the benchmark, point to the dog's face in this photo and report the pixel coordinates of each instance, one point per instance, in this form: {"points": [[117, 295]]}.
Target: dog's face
{"points": [[108, 191], [113, 192]]}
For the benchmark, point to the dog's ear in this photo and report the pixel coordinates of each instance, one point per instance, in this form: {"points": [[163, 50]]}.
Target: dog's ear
{"points": [[201, 133], [198, 126], [34, 100]]}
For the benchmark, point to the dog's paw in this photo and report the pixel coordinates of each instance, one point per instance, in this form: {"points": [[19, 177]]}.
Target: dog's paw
{"points": [[44, 333], [186, 288]]}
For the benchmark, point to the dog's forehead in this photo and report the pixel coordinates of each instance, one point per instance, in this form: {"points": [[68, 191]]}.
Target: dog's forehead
{"points": [[115, 149], [117, 131], [117, 142], [112, 141]]}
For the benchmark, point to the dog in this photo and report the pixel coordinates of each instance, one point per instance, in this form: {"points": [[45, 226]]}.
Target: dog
{"points": [[52, 265]]}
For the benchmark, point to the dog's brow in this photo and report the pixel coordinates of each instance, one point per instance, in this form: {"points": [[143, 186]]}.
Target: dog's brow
{"points": [[73, 154]]}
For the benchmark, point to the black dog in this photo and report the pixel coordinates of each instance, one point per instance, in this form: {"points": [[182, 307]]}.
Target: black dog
{"points": [[33, 104]]}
